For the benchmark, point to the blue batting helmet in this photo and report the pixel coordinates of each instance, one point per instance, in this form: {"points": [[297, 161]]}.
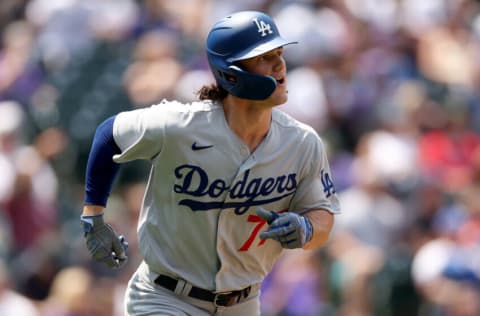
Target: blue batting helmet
{"points": [[240, 36]]}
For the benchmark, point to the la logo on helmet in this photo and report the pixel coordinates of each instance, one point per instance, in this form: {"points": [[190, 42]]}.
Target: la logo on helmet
{"points": [[263, 27]]}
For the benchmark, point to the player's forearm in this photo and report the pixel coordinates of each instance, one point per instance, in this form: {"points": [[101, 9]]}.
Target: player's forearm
{"points": [[322, 223], [92, 209]]}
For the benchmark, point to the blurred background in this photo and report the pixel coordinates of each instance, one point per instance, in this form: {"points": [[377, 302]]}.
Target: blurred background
{"points": [[392, 86]]}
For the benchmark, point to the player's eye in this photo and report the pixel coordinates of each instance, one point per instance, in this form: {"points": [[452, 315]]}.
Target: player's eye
{"points": [[266, 57]]}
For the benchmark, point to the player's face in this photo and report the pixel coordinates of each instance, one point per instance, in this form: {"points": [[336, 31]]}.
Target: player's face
{"points": [[272, 64]]}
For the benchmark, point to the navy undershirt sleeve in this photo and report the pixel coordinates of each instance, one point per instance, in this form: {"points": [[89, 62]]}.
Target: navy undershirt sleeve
{"points": [[101, 169]]}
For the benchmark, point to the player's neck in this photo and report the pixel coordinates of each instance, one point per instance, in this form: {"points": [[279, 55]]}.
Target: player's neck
{"points": [[248, 121]]}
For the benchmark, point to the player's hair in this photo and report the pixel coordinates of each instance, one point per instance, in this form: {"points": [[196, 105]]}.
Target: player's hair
{"points": [[212, 92]]}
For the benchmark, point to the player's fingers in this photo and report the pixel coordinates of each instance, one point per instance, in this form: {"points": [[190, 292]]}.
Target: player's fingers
{"points": [[269, 216], [102, 253], [118, 248], [124, 242], [291, 243], [276, 233], [269, 234], [265, 235], [110, 261], [280, 221], [122, 259]]}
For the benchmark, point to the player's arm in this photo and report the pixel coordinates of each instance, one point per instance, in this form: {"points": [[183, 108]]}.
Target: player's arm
{"points": [[102, 241], [308, 226], [322, 223], [92, 210], [101, 169]]}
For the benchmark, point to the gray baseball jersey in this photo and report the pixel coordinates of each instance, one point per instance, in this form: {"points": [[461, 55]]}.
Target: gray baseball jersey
{"points": [[198, 219]]}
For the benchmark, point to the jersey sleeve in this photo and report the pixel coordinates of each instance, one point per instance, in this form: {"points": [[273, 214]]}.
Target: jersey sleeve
{"points": [[317, 189], [139, 134]]}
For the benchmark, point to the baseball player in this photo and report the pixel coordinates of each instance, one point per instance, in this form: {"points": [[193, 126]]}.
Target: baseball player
{"points": [[233, 182]]}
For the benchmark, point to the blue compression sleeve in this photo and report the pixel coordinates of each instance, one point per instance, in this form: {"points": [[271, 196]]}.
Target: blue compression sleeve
{"points": [[101, 169]]}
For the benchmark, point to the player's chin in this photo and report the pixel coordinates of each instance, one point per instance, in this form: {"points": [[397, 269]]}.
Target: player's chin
{"points": [[279, 97]]}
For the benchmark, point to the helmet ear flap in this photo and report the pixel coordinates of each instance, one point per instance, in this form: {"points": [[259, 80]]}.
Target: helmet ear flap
{"points": [[247, 85]]}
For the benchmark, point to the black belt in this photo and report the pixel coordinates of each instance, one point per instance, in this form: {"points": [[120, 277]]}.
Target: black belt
{"points": [[219, 299]]}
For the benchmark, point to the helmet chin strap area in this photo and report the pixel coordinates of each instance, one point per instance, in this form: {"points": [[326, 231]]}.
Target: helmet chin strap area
{"points": [[250, 86]]}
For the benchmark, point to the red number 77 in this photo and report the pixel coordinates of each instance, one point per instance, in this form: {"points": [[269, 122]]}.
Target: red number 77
{"points": [[260, 223]]}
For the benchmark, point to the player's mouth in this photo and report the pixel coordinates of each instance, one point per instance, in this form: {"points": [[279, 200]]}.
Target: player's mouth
{"points": [[280, 81]]}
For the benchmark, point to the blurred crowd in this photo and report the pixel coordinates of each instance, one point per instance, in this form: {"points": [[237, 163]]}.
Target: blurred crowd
{"points": [[392, 86]]}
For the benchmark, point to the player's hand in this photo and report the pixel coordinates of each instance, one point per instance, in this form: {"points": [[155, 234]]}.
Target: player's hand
{"points": [[103, 243], [290, 229]]}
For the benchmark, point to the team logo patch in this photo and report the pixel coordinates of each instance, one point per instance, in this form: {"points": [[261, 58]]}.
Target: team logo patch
{"points": [[328, 186], [263, 27]]}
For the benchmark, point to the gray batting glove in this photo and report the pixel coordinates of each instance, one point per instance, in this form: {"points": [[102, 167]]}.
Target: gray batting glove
{"points": [[102, 241], [290, 229]]}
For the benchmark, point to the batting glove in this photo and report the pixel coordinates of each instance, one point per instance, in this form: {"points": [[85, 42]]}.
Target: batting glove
{"points": [[102, 241], [290, 229]]}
